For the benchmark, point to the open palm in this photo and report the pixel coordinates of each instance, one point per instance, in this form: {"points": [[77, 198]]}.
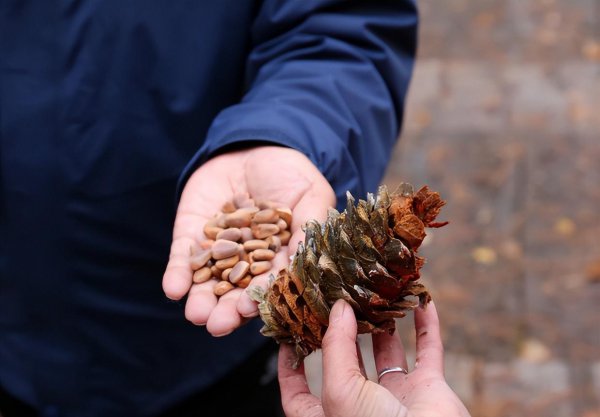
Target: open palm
{"points": [[270, 173]]}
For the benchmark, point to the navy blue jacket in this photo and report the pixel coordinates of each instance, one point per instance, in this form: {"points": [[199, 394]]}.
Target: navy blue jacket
{"points": [[104, 105]]}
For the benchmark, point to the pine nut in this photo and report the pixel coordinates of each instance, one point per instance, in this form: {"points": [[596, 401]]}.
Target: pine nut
{"points": [[200, 259], [281, 224], [255, 244], [202, 275], [239, 271], [284, 236], [246, 234], [222, 249], [238, 219], [216, 272], [260, 267], [263, 255], [211, 232], [244, 282], [241, 240], [222, 287], [223, 264], [274, 243], [225, 274], [233, 233], [228, 207], [285, 214], [266, 216], [264, 230]]}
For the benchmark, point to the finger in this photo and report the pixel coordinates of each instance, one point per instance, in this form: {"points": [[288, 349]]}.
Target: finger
{"points": [[224, 317], [388, 351], [247, 307], [313, 205], [430, 351], [200, 302], [296, 398], [177, 278], [340, 358]]}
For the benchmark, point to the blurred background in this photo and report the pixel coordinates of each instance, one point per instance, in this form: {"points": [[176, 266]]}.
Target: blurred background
{"points": [[503, 119]]}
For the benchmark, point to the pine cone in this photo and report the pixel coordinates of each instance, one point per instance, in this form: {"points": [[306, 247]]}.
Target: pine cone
{"points": [[365, 255]]}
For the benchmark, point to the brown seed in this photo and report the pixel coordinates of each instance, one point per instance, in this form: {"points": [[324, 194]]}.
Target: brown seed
{"points": [[225, 274], [282, 224], [255, 244], [222, 287], [233, 233], [228, 207], [211, 232], [239, 271], [222, 249], [260, 267], [246, 234], [264, 230], [284, 236], [263, 255], [266, 216], [202, 275], [200, 259], [223, 264], [274, 243], [238, 219], [216, 272], [285, 213], [244, 282]]}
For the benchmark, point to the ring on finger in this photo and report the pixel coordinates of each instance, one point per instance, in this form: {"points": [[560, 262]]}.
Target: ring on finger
{"points": [[389, 370]]}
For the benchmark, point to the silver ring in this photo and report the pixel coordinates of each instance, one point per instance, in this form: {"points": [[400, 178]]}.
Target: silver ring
{"points": [[392, 369]]}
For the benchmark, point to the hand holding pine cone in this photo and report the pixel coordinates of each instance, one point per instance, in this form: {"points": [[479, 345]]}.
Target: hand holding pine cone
{"points": [[365, 255]]}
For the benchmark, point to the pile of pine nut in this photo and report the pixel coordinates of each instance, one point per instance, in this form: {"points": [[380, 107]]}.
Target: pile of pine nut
{"points": [[240, 242]]}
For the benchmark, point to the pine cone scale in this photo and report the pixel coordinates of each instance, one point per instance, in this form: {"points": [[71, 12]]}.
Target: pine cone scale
{"points": [[366, 255]]}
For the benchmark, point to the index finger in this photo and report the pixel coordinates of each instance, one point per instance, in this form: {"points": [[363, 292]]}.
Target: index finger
{"points": [[296, 398], [340, 357]]}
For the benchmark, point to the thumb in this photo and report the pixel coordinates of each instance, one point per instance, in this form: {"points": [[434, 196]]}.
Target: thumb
{"points": [[313, 205], [340, 358]]}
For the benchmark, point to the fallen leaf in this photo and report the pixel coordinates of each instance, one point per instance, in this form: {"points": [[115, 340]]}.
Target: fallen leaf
{"points": [[533, 350], [484, 255], [564, 226], [591, 50]]}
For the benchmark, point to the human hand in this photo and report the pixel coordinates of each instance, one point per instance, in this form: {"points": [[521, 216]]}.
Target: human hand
{"points": [[346, 392], [270, 173]]}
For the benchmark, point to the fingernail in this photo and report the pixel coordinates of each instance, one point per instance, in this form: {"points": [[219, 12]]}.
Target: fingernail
{"points": [[337, 311]]}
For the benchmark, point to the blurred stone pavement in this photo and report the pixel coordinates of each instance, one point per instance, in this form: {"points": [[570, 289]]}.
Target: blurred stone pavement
{"points": [[503, 119]]}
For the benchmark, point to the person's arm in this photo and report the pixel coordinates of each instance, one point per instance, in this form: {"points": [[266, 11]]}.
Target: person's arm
{"points": [[326, 84], [346, 392], [329, 79]]}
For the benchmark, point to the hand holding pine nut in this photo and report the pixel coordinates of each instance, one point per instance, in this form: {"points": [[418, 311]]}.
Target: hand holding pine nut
{"points": [[236, 187]]}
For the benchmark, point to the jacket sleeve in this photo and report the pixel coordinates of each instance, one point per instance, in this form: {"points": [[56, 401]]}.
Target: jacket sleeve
{"points": [[329, 79]]}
